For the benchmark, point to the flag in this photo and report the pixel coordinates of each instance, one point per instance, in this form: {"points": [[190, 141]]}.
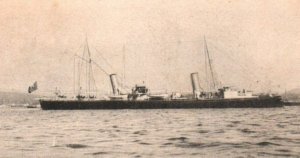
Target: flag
{"points": [[33, 87]]}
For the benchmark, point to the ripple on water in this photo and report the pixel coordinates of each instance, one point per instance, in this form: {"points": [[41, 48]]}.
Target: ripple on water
{"points": [[85, 130], [178, 138], [236, 122], [281, 126], [288, 140], [276, 154], [254, 124], [142, 132], [231, 125], [76, 146], [199, 124], [219, 131], [283, 150], [7, 128], [17, 138], [295, 132], [203, 131], [167, 144], [144, 143], [267, 144], [191, 145], [220, 145], [246, 130], [197, 145], [99, 153]]}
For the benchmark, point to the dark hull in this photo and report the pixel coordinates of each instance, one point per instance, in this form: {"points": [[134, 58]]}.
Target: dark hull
{"points": [[161, 104], [289, 103]]}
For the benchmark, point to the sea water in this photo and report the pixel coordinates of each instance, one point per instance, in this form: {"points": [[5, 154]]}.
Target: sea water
{"points": [[248, 132]]}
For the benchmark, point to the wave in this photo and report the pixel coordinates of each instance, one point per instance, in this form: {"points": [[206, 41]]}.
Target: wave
{"points": [[76, 146]]}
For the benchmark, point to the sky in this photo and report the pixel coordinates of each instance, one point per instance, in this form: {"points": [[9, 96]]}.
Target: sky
{"points": [[253, 44]]}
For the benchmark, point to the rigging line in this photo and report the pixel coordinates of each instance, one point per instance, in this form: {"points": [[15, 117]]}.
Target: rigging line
{"points": [[100, 67], [242, 75], [95, 64], [124, 65], [206, 73], [93, 78], [86, 72], [74, 75], [226, 53], [88, 65], [90, 76], [157, 43], [123, 86], [80, 67], [77, 50], [100, 54], [210, 65], [241, 66], [229, 57], [161, 48], [79, 87]]}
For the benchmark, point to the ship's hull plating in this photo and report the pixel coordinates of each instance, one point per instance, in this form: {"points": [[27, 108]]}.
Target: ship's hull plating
{"points": [[161, 104]]}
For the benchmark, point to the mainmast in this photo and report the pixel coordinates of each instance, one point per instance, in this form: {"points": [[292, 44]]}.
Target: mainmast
{"points": [[85, 61], [206, 69], [89, 67], [207, 58], [124, 67], [74, 75]]}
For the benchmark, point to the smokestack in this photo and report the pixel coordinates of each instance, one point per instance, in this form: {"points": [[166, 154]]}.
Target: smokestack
{"points": [[195, 84], [114, 84]]}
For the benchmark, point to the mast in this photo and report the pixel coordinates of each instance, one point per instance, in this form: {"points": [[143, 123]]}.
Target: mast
{"points": [[206, 72], [86, 57], [85, 62], [79, 87], [89, 67], [124, 68], [86, 75], [209, 63], [74, 76]]}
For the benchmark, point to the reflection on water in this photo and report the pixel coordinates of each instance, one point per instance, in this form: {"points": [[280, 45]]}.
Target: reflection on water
{"points": [[271, 132]]}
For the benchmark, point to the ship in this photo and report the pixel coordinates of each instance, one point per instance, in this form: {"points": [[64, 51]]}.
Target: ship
{"points": [[140, 97]]}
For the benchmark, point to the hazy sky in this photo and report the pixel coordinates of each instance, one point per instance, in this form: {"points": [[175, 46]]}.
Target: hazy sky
{"points": [[254, 44]]}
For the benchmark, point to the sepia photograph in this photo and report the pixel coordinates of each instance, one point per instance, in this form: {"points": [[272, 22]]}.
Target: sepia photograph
{"points": [[149, 78]]}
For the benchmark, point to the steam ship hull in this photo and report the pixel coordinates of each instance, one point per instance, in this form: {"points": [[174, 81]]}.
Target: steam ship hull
{"points": [[161, 104]]}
